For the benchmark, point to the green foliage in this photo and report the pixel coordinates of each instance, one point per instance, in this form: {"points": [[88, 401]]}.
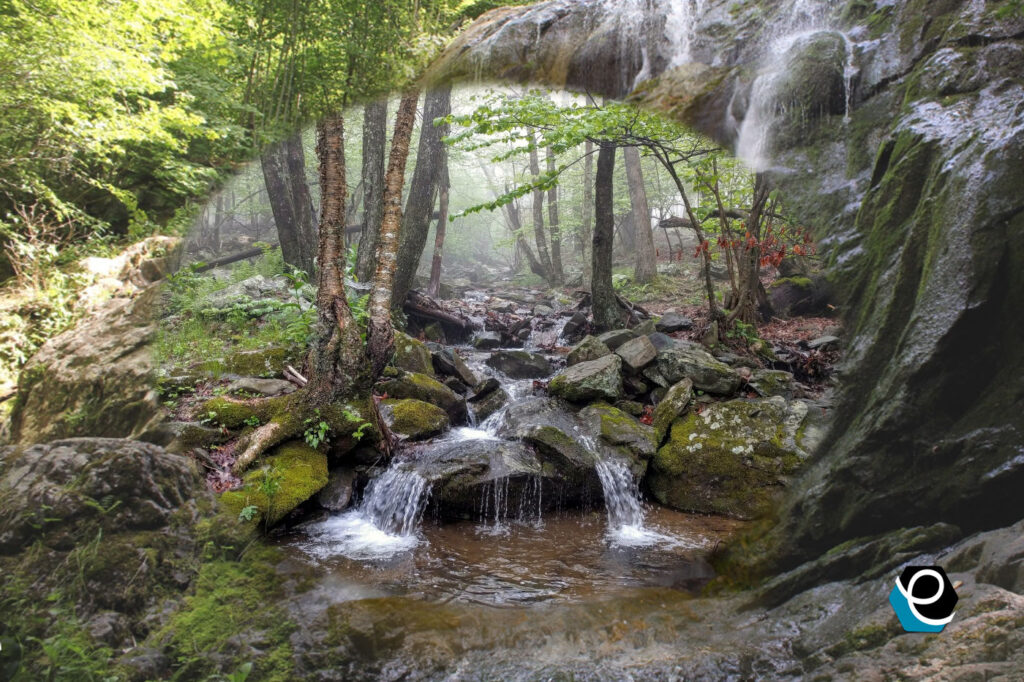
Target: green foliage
{"points": [[317, 430], [248, 513]]}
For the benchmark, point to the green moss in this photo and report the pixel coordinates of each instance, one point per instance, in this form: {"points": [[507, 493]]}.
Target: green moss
{"points": [[290, 476], [801, 282], [416, 418], [862, 639], [412, 355], [233, 599]]}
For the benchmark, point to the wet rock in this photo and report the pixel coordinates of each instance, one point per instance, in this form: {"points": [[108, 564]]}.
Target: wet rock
{"points": [[622, 431], [732, 458], [485, 388], [673, 322], [616, 338], [655, 377], [447, 361], [412, 355], [298, 471], [768, 382], [413, 419], [336, 496], [488, 404], [590, 348], [264, 387], [518, 364], [411, 385], [487, 340], [637, 353], [690, 361], [576, 326], [592, 380], [463, 371], [671, 407], [554, 430]]}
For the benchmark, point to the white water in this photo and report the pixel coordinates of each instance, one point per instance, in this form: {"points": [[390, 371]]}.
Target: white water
{"points": [[383, 525], [804, 18]]}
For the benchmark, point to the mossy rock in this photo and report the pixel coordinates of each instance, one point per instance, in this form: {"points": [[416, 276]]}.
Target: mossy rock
{"points": [[732, 458], [670, 407], [591, 380], [414, 419], [417, 386], [590, 348], [620, 430], [412, 355], [296, 470]]}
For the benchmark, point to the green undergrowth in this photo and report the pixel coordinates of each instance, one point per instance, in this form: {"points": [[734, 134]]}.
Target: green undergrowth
{"points": [[199, 331]]}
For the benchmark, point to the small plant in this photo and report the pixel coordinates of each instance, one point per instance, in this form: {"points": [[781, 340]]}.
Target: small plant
{"points": [[363, 425], [248, 513], [252, 420], [316, 431], [745, 332]]}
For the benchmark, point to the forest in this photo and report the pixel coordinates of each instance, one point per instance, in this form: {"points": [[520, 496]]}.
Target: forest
{"points": [[393, 340]]}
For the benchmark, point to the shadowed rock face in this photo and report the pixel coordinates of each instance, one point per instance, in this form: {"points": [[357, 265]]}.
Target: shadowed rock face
{"points": [[896, 129]]}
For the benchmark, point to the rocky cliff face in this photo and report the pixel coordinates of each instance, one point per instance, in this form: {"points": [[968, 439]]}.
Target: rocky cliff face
{"points": [[896, 128]]}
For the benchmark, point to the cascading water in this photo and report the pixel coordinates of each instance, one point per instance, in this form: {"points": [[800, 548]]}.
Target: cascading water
{"points": [[621, 494], [804, 19], [384, 524]]}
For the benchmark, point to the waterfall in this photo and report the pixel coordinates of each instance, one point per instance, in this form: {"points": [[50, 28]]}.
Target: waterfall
{"points": [[395, 500], [621, 494], [383, 525]]}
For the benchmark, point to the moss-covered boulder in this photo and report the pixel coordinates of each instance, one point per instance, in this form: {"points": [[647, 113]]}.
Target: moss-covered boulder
{"points": [[590, 348], [672, 406], [591, 380], [520, 364], [770, 382], [416, 386], [622, 432], [688, 361], [292, 474], [412, 419], [732, 458], [412, 355], [801, 296]]}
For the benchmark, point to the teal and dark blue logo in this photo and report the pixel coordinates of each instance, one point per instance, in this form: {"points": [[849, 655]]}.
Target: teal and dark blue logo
{"points": [[924, 599]]}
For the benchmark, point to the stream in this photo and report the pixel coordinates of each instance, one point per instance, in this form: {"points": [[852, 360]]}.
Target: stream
{"points": [[522, 546]]}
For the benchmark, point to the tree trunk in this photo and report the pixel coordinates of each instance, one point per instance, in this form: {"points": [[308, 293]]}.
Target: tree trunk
{"points": [[375, 123], [587, 228], [538, 213], [419, 207], [302, 203], [605, 306], [646, 265], [381, 335], [752, 295], [274, 165], [557, 273], [442, 227], [336, 362]]}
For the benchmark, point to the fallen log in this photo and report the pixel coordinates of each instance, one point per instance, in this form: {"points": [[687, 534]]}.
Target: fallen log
{"points": [[203, 266], [417, 303]]}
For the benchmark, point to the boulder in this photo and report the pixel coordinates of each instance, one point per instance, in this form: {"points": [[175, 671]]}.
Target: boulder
{"points": [[673, 322], [637, 353], [631, 440], [648, 326], [732, 458], [411, 419], [412, 355], [616, 338], [801, 296], [487, 404], [412, 385], [576, 326], [693, 362], [96, 379], [520, 364], [671, 407], [769, 382], [592, 380], [291, 474], [463, 371], [254, 288], [486, 340], [336, 496], [590, 348], [662, 341]]}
